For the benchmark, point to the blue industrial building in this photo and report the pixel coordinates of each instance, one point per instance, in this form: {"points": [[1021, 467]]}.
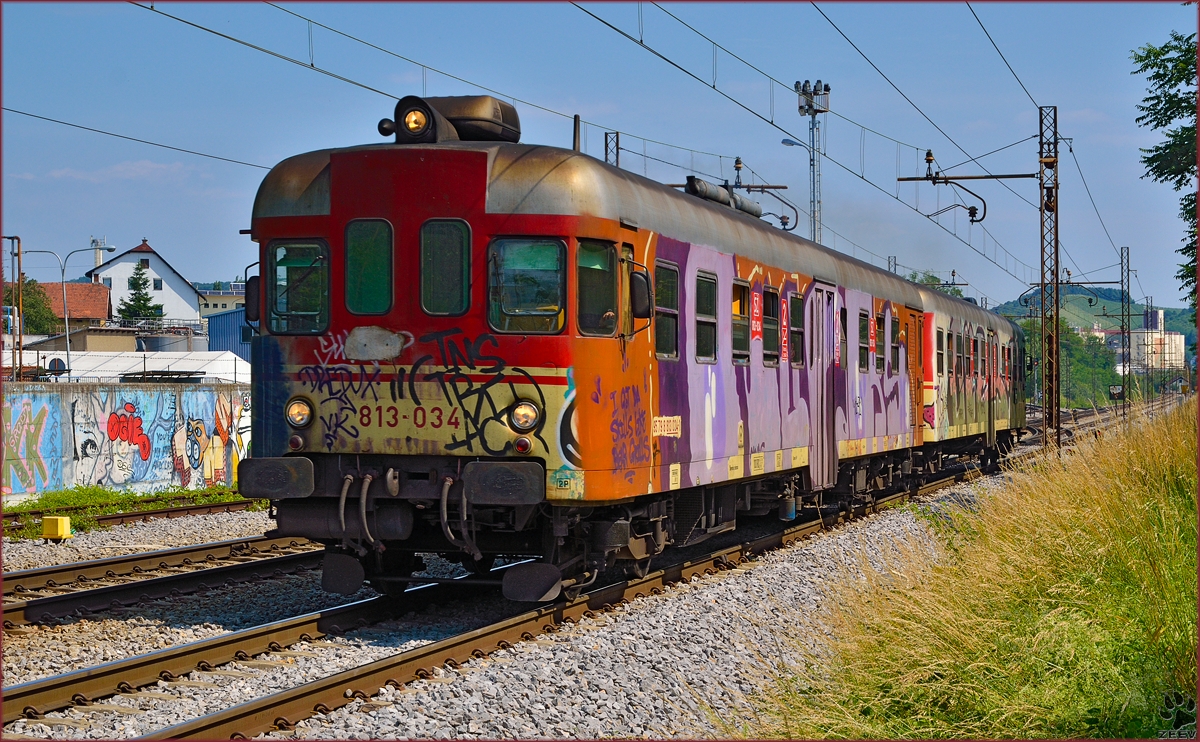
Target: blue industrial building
{"points": [[229, 331]]}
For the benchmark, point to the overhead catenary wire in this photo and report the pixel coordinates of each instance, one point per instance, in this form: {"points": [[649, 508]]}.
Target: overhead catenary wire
{"points": [[135, 139], [997, 48], [663, 57], [515, 99], [1069, 145]]}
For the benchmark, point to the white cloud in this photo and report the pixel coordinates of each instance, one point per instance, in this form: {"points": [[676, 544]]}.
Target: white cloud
{"points": [[129, 170], [22, 176]]}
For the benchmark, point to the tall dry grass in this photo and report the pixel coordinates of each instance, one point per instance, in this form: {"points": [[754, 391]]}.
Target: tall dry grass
{"points": [[1062, 605]]}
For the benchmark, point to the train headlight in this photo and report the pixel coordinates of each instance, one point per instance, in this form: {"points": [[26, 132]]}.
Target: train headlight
{"points": [[415, 121], [524, 416], [299, 413]]}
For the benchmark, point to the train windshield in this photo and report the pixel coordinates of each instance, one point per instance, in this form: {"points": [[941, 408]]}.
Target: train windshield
{"points": [[299, 300], [527, 285]]}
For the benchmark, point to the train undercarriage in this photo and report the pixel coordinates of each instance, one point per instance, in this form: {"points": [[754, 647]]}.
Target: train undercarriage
{"points": [[389, 510]]}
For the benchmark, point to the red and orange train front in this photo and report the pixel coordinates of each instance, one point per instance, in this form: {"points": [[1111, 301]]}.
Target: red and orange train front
{"points": [[415, 355]]}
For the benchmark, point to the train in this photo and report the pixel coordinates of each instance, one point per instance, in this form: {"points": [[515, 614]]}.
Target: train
{"points": [[478, 348]]}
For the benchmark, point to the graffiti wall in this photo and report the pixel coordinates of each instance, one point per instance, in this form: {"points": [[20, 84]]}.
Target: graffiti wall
{"points": [[141, 437]]}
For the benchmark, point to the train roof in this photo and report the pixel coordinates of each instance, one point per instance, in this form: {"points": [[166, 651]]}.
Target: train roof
{"points": [[538, 179]]}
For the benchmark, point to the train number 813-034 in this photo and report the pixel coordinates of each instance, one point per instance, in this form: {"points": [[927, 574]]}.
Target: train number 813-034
{"points": [[421, 417]]}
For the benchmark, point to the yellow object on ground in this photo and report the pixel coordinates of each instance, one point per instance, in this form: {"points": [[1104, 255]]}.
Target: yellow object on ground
{"points": [[56, 528]]}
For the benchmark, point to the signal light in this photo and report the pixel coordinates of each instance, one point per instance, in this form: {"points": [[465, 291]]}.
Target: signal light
{"points": [[523, 445], [415, 121]]}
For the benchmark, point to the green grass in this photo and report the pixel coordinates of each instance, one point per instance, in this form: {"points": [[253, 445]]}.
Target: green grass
{"points": [[1061, 606], [97, 500]]}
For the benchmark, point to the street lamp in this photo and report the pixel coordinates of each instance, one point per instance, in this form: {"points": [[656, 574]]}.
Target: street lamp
{"points": [[62, 266]]}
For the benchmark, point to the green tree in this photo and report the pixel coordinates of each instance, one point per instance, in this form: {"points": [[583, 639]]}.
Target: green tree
{"points": [[935, 283], [139, 304], [1170, 107], [216, 286], [1086, 366], [39, 317]]}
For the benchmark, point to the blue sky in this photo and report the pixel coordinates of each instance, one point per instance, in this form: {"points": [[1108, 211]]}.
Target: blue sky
{"points": [[136, 72]]}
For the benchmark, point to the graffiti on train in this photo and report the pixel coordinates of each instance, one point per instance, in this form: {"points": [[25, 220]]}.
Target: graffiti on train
{"points": [[482, 386], [123, 437]]}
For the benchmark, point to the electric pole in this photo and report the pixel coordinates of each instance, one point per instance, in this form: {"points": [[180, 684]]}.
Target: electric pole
{"points": [[1049, 283], [814, 100]]}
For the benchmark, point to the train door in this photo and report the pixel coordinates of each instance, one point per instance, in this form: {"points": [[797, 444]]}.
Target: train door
{"points": [[990, 370], [822, 314], [916, 378]]}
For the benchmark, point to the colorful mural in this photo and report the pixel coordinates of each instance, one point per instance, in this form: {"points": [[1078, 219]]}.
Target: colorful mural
{"points": [[139, 437]]}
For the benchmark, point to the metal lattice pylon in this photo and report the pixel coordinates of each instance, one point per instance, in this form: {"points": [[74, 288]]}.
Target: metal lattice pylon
{"points": [[1048, 180]]}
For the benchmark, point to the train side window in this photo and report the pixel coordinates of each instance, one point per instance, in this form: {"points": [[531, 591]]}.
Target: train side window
{"points": [[864, 339], [706, 318], [770, 327], [796, 329], [596, 271], [974, 360], [298, 292], [843, 347], [527, 286], [895, 344], [958, 354], [879, 336], [445, 267], [666, 311], [941, 352], [369, 266], [739, 339]]}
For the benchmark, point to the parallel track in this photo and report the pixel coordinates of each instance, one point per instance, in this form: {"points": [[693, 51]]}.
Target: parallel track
{"points": [[62, 590]]}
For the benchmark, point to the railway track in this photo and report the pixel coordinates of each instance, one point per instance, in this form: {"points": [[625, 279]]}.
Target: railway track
{"points": [[48, 593], [14, 521], [282, 710], [78, 690]]}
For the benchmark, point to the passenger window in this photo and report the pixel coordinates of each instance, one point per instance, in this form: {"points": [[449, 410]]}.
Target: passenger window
{"points": [[666, 312], [880, 335], [770, 328], [706, 318], [864, 338], [596, 271], [796, 329], [843, 360], [369, 266], [941, 352], [298, 294], [974, 361], [526, 285], [958, 354], [740, 330], [895, 345], [445, 267]]}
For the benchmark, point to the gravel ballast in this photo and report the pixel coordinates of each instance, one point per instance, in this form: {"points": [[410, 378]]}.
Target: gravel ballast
{"points": [[134, 538], [681, 664]]}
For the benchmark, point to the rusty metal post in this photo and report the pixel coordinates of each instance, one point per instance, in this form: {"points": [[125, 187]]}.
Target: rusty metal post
{"points": [[1126, 359], [1048, 180]]}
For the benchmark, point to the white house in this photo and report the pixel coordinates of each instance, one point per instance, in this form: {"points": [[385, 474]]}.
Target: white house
{"points": [[180, 299]]}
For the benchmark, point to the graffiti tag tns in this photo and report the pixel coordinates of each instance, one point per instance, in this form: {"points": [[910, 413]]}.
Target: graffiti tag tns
{"points": [[128, 427], [475, 398]]}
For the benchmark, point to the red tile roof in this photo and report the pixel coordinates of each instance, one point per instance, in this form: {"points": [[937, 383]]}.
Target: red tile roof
{"points": [[144, 247], [86, 300]]}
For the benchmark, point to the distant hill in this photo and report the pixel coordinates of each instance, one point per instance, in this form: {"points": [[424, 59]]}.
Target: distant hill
{"points": [[1077, 313]]}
